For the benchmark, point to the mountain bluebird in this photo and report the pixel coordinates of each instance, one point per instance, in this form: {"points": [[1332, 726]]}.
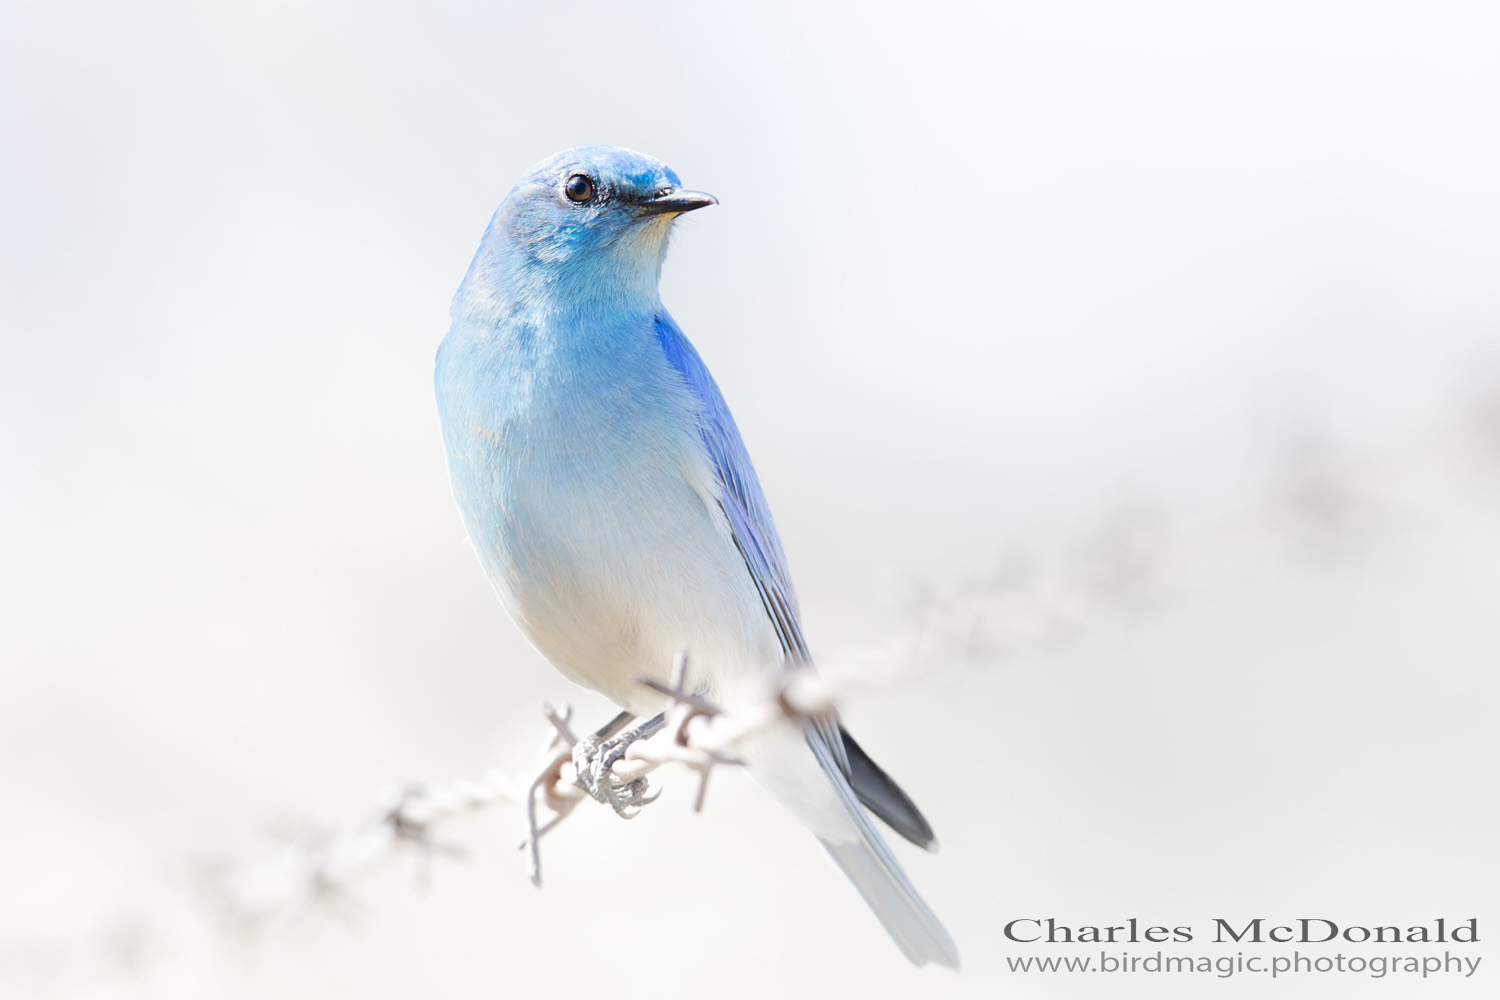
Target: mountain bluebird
{"points": [[612, 504]]}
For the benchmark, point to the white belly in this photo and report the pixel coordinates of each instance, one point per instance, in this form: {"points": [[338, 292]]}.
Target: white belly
{"points": [[610, 589]]}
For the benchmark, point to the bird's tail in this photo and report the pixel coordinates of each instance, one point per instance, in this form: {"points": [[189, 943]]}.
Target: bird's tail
{"points": [[868, 862], [907, 919], [814, 787]]}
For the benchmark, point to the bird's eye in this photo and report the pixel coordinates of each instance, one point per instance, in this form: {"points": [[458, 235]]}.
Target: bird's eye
{"points": [[580, 187]]}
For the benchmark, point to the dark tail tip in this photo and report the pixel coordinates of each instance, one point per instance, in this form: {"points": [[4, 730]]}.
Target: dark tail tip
{"points": [[882, 796]]}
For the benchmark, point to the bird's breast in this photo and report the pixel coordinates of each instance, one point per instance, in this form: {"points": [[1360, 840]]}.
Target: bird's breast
{"points": [[593, 507]]}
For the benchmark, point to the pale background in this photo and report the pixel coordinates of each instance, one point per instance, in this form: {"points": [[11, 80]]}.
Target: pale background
{"points": [[983, 278]]}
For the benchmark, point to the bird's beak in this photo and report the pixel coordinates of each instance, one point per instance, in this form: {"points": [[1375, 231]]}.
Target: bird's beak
{"points": [[675, 202]]}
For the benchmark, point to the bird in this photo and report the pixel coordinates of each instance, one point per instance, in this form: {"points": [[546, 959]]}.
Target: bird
{"points": [[613, 506]]}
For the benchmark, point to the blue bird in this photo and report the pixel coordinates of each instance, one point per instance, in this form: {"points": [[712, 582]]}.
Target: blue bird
{"points": [[614, 508]]}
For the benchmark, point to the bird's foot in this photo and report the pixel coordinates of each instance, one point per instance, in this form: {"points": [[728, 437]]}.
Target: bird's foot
{"points": [[595, 761]]}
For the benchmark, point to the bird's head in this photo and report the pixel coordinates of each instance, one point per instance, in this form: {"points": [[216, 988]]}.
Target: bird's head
{"points": [[587, 222]]}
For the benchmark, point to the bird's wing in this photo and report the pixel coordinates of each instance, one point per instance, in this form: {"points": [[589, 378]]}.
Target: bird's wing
{"points": [[745, 507], [740, 495], [749, 517]]}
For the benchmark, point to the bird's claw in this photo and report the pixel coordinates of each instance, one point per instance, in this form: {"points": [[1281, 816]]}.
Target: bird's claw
{"points": [[593, 764]]}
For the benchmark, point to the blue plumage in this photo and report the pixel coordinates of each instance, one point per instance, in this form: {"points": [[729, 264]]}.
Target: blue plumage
{"points": [[612, 503]]}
